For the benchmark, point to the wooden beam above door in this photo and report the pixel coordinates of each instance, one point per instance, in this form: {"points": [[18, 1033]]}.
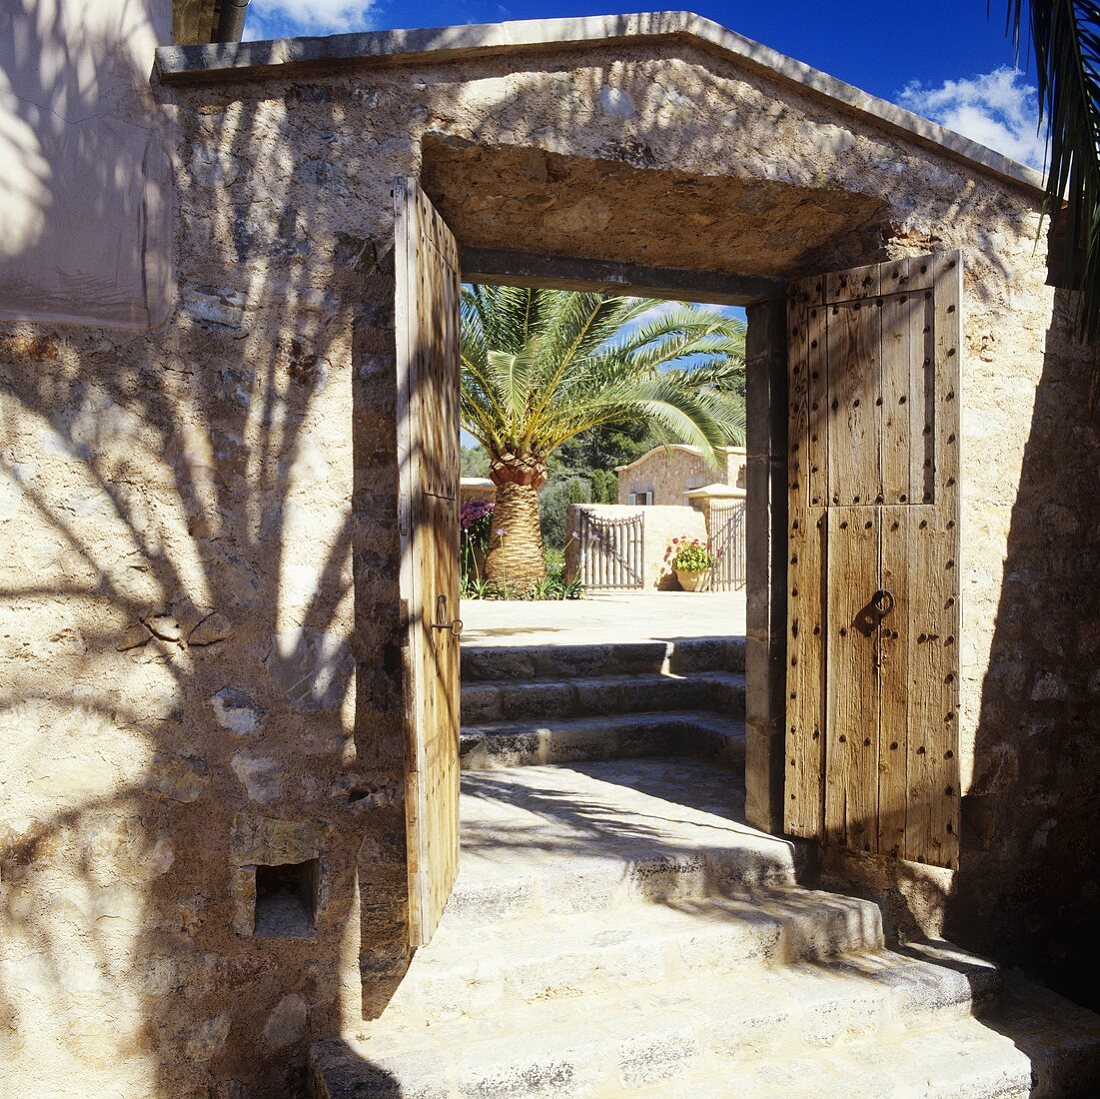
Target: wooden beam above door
{"points": [[509, 268]]}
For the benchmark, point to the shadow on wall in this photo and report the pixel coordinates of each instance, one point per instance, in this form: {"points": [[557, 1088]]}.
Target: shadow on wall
{"points": [[1028, 889], [347, 1072], [200, 656], [200, 616], [179, 636]]}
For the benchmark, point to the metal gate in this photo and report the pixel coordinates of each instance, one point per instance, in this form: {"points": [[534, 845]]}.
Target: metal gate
{"points": [[612, 552], [727, 541]]}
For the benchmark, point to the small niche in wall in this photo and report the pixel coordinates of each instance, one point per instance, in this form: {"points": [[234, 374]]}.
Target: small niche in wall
{"points": [[286, 900]]}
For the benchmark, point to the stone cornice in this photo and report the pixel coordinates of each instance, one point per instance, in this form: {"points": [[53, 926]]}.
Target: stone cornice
{"points": [[289, 57]]}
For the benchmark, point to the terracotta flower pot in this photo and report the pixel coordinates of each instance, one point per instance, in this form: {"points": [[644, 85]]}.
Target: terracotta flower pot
{"points": [[692, 581]]}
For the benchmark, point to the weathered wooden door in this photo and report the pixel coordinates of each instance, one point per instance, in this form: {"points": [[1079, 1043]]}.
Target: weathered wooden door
{"points": [[428, 365], [873, 601]]}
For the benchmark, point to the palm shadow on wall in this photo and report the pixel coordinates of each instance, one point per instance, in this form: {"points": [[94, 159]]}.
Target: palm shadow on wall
{"points": [[181, 636], [202, 564]]}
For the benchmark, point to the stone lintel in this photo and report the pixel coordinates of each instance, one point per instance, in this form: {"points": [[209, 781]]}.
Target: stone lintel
{"points": [[281, 58]]}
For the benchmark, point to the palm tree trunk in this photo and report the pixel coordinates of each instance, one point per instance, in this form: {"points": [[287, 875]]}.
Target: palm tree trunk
{"points": [[515, 557]]}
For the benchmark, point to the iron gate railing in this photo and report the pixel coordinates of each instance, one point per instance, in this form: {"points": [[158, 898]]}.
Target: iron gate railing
{"points": [[612, 552], [727, 540]]}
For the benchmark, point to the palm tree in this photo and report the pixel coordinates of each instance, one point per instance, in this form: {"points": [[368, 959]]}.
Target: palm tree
{"points": [[1065, 36], [541, 366]]}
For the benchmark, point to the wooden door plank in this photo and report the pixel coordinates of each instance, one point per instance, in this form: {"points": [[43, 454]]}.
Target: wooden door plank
{"points": [[894, 641], [853, 284], [894, 398], [805, 743], [854, 436], [804, 802], [933, 793], [922, 410], [426, 272], [818, 410], [948, 350], [932, 831], [852, 715]]}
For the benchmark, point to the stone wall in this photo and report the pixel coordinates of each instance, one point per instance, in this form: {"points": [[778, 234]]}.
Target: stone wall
{"points": [[200, 658], [669, 472]]}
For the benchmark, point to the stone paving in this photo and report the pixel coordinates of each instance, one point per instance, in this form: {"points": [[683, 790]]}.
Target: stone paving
{"points": [[604, 618], [617, 929]]}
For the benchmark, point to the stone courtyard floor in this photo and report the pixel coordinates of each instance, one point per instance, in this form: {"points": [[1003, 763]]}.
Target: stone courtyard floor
{"points": [[604, 618]]}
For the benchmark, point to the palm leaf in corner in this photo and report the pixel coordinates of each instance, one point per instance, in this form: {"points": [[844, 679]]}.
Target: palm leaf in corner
{"points": [[1065, 37]]}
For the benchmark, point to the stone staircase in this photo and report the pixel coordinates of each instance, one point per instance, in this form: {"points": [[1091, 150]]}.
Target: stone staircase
{"points": [[617, 929], [541, 704]]}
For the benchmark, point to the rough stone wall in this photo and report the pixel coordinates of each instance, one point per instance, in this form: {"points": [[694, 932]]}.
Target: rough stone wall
{"points": [[670, 473], [200, 653]]}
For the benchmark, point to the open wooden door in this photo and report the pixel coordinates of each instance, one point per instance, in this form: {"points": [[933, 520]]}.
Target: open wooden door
{"points": [[873, 600], [428, 375]]}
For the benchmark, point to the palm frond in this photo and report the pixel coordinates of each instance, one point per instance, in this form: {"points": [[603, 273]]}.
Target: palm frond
{"points": [[541, 366], [1065, 38]]}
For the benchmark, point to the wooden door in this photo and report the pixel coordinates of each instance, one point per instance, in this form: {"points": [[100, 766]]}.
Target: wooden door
{"points": [[428, 366], [873, 598]]}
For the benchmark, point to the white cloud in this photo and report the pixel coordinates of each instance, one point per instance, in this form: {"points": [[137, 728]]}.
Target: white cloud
{"points": [[996, 109], [287, 18]]}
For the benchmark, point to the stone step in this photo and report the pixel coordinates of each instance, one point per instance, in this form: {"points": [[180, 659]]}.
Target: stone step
{"points": [[625, 1043], [517, 743], [527, 662], [617, 929], [623, 948], [545, 841], [1033, 1045], [548, 698]]}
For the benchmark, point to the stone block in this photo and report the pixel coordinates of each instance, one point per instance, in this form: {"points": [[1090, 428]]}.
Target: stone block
{"points": [[236, 711], [223, 306], [536, 700], [179, 778], [262, 841], [600, 696], [480, 702], [208, 1039], [312, 667], [649, 1060], [213, 168], [260, 776], [497, 663], [571, 660], [288, 1023]]}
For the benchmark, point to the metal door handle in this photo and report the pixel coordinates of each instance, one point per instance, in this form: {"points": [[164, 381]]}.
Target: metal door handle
{"points": [[441, 620], [883, 601]]}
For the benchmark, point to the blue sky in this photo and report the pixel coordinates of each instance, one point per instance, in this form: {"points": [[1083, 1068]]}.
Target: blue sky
{"points": [[945, 59]]}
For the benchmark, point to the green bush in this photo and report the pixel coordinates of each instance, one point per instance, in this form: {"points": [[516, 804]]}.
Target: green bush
{"points": [[554, 501]]}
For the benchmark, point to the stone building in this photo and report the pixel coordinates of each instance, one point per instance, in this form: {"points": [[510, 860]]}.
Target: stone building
{"points": [[666, 474], [204, 845]]}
